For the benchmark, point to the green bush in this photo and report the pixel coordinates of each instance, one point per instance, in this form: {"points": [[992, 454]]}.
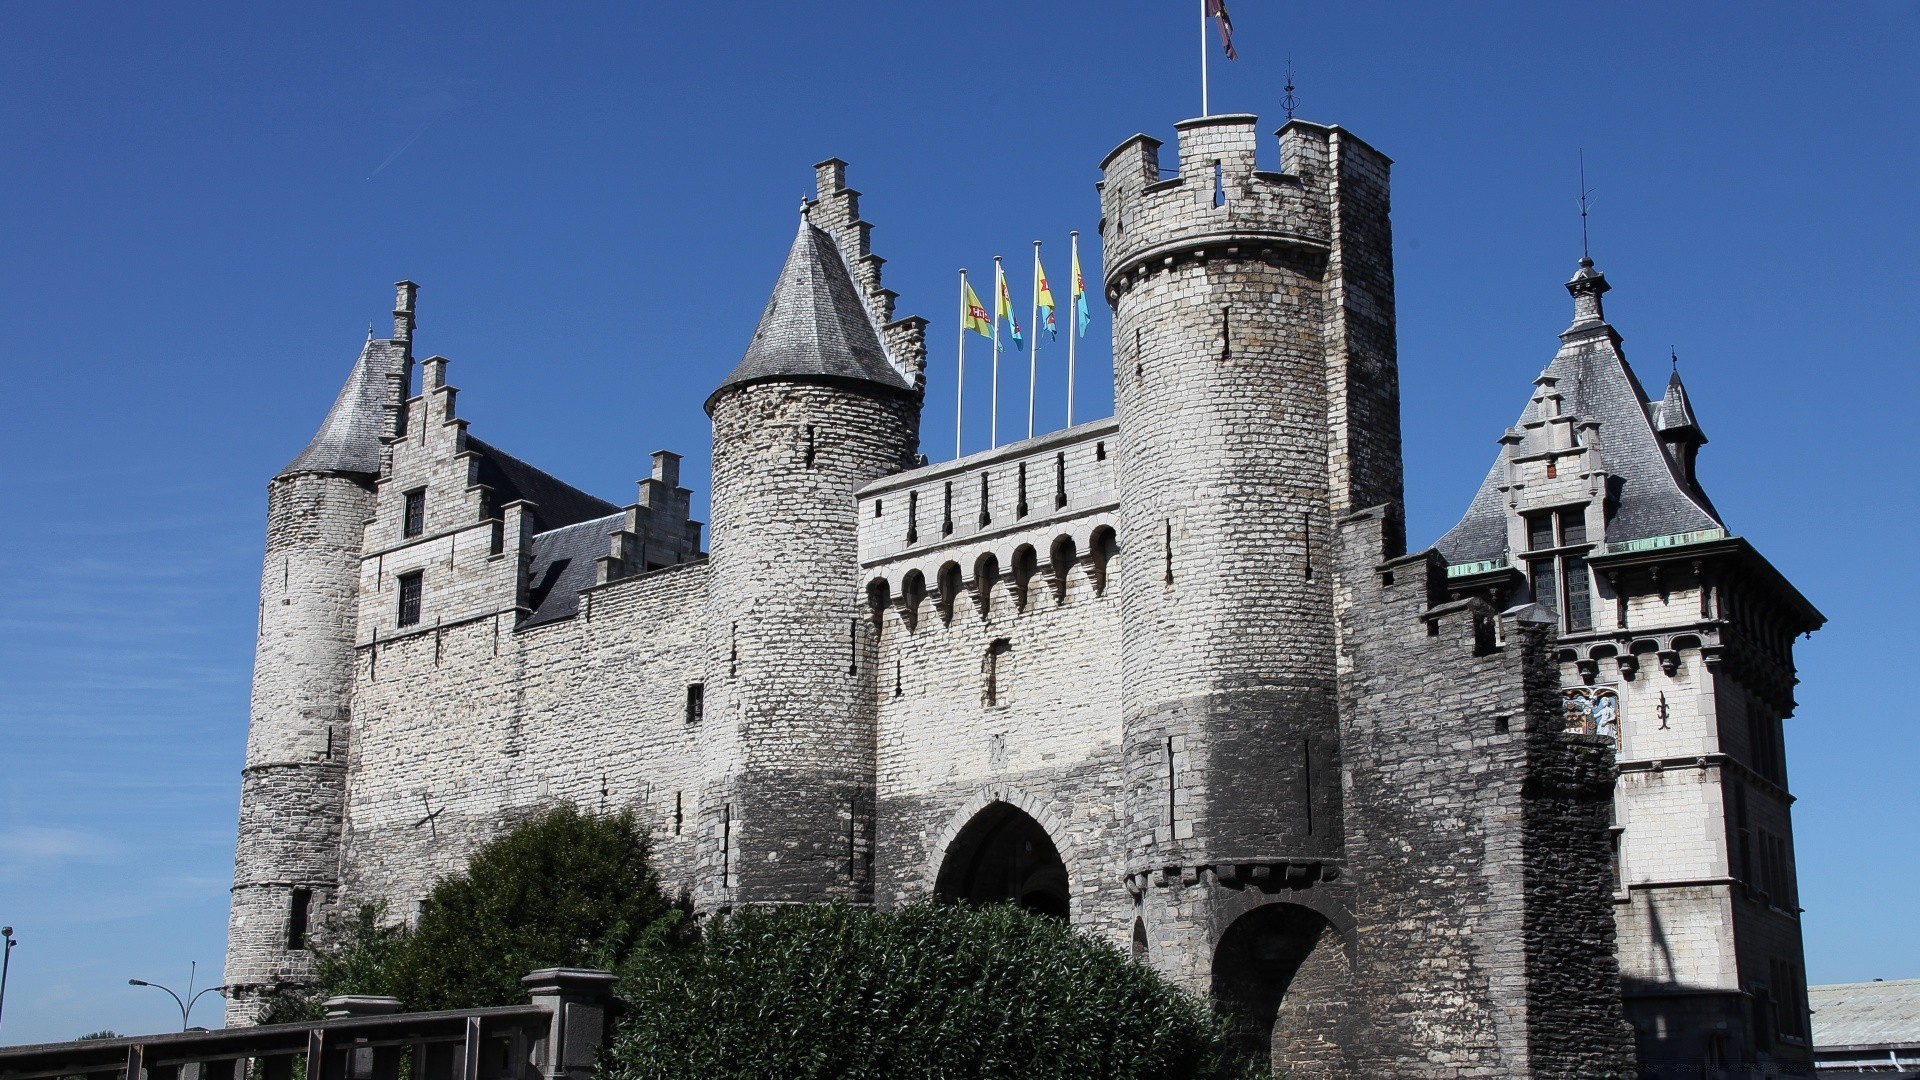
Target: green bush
{"points": [[564, 889], [820, 991]]}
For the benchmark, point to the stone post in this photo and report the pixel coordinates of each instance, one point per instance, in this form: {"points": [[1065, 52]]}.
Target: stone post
{"points": [[578, 1001]]}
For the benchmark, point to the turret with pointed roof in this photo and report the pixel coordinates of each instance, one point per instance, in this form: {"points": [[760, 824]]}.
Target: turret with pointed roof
{"points": [[826, 400]]}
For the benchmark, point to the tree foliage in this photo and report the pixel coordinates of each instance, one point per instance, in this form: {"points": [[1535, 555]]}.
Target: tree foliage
{"points": [[564, 889], [820, 991]]}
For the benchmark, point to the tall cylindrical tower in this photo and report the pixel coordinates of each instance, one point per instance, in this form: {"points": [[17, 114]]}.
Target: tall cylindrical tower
{"points": [[1237, 453], [815, 411], [286, 860]]}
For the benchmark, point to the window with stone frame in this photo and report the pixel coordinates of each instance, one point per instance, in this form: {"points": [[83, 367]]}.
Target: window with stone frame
{"points": [[696, 702], [410, 585], [1558, 574], [413, 520]]}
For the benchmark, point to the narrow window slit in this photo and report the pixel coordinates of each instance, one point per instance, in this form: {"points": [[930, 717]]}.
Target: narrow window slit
{"points": [[1169, 551], [1020, 505], [1060, 479], [946, 510], [913, 517], [810, 446]]}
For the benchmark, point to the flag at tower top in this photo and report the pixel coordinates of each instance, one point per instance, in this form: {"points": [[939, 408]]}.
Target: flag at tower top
{"points": [[1218, 9]]}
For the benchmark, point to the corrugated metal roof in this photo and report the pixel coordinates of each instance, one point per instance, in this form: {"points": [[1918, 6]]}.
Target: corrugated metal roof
{"points": [[1866, 1013]]}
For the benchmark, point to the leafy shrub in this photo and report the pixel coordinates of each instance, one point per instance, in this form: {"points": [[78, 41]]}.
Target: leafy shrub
{"points": [[564, 889], [818, 991]]}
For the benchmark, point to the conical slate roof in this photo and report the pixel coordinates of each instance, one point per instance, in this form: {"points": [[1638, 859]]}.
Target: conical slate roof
{"points": [[1676, 412], [349, 438], [1646, 496], [815, 324]]}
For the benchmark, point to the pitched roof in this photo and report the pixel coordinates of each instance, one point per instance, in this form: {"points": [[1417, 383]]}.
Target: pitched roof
{"points": [[1866, 1013], [562, 564], [815, 323], [350, 438], [561, 504], [1646, 495]]}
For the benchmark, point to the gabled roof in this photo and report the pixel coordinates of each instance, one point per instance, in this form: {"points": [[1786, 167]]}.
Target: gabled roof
{"points": [[1646, 495], [350, 438], [561, 504], [815, 324]]}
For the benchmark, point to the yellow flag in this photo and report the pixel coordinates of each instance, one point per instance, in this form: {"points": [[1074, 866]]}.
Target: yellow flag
{"points": [[974, 317]]}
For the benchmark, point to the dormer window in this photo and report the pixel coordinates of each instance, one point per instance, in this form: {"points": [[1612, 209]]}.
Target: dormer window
{"points": [[413, 520]]}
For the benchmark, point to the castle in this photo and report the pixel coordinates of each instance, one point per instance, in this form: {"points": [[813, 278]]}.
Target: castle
{"points": [[1514, 805]]}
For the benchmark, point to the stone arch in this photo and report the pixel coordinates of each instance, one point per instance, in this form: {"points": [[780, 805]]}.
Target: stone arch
{"points": [[985, 804], [947, 581], [879, 595], [1102, 546], [1003, 855], [986, 574], [1061, 556], [913, 589], [1026, 563], [1282, 973]]}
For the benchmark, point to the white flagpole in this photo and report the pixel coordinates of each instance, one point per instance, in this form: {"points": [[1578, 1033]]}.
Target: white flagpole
{"points": [[1033, 355], [1073, 317], [1204, 111], [960, 391], [999, 283]]}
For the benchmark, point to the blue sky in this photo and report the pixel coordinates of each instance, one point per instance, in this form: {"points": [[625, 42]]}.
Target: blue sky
{"points": [[205, 206]]}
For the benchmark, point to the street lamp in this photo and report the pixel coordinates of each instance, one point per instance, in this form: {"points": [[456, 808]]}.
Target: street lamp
{"points": [[6, 957], [186, 1007]]}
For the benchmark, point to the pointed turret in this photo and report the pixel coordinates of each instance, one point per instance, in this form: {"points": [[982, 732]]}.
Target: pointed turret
{"points": [[1587, 286], [815, 326], [368, 407], [1678, 427]]}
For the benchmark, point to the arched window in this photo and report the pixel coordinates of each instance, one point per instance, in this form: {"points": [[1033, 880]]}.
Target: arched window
{"points": [[878, 595], [986, 574]]}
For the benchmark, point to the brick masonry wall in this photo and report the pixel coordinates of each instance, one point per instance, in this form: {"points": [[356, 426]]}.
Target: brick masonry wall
{"points": [[953, 615], [297, 732], [788, 796], [1477, 834]]}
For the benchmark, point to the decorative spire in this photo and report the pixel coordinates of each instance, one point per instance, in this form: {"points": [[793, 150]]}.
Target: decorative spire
{"points": [[1587, 287], [1287, 102]]}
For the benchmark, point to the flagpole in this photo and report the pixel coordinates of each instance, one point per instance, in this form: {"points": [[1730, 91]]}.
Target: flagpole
{"points": [[999, 284], [1204, 111], [960, 391], [1033, 355], [1073, 319]]}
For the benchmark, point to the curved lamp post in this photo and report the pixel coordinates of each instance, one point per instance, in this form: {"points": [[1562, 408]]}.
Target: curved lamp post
{"points": [[186, 1006]]}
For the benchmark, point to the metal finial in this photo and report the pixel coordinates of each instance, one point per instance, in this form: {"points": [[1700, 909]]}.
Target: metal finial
{"points": [[1674, 354], [1586, 255], [369, 331], [806, 204], [1287, 102]]}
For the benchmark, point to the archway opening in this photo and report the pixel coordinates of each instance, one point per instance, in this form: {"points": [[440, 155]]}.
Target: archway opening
{"points": [[1280, 974], [1004, 856]]}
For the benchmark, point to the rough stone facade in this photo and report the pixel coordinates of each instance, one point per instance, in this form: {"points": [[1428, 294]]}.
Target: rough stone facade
{"points": [[1170, 676]]}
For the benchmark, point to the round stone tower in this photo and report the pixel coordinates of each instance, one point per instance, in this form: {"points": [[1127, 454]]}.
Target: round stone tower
{"points": [[816, 410], [1240, 384], [286, 862]]}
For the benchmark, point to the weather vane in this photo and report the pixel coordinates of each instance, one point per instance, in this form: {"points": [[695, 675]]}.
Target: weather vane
{"points": [[1287, 102], [1584, 206]]}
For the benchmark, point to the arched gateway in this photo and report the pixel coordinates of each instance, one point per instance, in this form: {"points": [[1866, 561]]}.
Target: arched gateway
{"points": [[1001, 855]]}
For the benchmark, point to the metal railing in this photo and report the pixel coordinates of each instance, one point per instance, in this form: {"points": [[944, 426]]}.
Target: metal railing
{"points": [[556, 1036]]}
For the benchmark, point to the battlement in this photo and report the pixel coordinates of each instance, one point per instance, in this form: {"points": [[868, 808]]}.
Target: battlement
{"points": [[1026, 485], [1218, 197]]}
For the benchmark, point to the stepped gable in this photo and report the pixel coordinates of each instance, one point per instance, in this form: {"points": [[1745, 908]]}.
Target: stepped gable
{"points": [[561, 504], [351, 438], [561, 564], [1646, 496], [815, 323]]}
